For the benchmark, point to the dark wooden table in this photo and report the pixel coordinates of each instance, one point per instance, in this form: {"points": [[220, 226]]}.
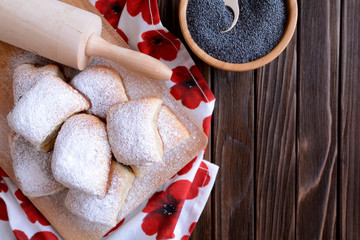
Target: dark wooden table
{"points": [[287, 136]]}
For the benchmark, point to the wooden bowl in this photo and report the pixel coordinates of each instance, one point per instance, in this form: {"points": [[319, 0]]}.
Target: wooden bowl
{"points": [[292, 14]]}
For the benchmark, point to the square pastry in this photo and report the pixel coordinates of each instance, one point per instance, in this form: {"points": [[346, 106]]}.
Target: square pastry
{"points": [[105, 209], [40, 112]]}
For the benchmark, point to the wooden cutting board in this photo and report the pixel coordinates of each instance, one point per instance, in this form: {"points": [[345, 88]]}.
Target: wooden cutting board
{"points": [[52, 207]]}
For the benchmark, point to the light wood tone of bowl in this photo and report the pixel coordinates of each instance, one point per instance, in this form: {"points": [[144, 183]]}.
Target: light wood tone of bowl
{"points": [[292, 14]]}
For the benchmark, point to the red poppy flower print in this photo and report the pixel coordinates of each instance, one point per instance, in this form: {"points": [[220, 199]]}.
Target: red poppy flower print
{"points": [[111, 10], [190, 87], [20, 235], [191, 228], [187, 168], [164, 209], [3, 186], [31, 212], [116, 227], [45, 235], [206, 125], [3, 211], [123, 35], [159, 44], [202, 178], [147, 8], [3, 173]]}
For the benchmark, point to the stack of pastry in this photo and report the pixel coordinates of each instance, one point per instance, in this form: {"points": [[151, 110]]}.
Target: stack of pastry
{"points": [[87, 136]]}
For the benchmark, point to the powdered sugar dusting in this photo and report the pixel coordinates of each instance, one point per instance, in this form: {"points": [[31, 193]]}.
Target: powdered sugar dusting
{"points": [[35, 120], [32, 168], [171, 130], [138, 87], [102, 86], [103, 210], [134, 84], [172, 133], [26, 75], [21, 57], [133, 133], [82, 155]]}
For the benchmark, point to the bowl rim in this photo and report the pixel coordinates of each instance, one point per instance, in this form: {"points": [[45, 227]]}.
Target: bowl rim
{"points": [[292, 15]]}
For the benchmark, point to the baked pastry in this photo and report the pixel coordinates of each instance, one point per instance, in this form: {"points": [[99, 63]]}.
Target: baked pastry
{"points": [[105, 209], [82, 155], [26, 75], [133, 133], [32, 168], [39, 113], [140, 170], [102, 85], [172, 131]]}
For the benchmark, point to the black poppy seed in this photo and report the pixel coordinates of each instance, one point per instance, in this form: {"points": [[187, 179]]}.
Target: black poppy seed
{"points": [[260, 27]]}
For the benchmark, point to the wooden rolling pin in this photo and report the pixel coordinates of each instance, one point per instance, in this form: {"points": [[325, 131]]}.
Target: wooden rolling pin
{"points": [[68, 35]]}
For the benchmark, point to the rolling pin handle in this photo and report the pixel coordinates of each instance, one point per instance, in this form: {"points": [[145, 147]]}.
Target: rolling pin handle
{"points": [[130, 59]]}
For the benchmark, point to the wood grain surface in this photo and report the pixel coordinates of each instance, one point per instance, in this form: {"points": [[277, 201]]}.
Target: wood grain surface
{"points": [[287, 136], [276, 144], [318, 49], [233, 151], [349, 181]]}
